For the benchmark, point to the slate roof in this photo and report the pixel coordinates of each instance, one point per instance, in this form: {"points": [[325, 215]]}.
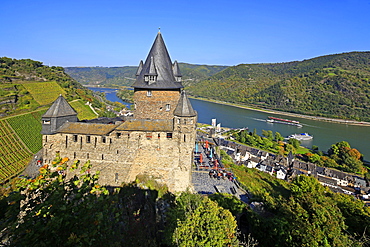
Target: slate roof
{"points": [[86, 128], [184, 108], [59, 108], [158, 63], [146, 125]]}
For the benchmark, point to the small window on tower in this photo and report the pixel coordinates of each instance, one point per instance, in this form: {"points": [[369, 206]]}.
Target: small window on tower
{"points": [[168, 107], [152, 78], [75, 138], [88, 139], [103, 139], [169, 135], [149, 93]]}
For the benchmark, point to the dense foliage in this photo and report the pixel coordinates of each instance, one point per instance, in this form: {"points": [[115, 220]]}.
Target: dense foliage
{"points": [[332, 86], [116, 77], [65, 206], [302, 213]]}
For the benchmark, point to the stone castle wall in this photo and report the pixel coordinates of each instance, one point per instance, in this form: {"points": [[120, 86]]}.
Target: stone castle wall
{"points": [[121, 157], [155, 104]]}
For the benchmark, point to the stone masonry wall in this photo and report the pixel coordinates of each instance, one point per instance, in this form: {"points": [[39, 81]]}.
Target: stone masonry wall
{"points": [[120, 158], [155, 106]]}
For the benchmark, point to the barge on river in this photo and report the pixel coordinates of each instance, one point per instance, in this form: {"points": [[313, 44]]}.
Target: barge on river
{"points": [[283, 121]]}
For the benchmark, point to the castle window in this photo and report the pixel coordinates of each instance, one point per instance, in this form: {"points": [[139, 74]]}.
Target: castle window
{"points": [[103, 139], [148, 136], [184, 138], [116, 177], [184, 121], [46, 122], [152, 78], [169, 135], [146, 78], [87, 156], [102, 156], [74, 155], [46, 138], [118, 135], [75, 138], [159, 136], [178, 120], [117, 151], [88, 139], [149, 93], [168, 107]]}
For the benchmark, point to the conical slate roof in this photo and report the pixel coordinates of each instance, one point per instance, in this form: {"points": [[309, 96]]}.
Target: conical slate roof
{"points": [[157, 63], [176, 69], [184, 108], [60, 108]]}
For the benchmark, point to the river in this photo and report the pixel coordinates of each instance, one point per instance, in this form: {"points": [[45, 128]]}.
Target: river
{"points": [[325, 133]]}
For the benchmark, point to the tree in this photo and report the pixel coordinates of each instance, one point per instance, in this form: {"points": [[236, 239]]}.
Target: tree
{"points": [[278, 137], [198, 221], [54, 211], [294, 142]]}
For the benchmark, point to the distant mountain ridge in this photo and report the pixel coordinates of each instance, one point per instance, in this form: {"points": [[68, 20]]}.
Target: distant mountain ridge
{"points": [[333, 86], [125, 76]]}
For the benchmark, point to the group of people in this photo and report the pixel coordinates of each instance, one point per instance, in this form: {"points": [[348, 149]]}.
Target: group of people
{"points": [[218, 174]]}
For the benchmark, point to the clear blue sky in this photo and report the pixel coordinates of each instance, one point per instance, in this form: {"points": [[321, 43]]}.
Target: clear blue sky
{"points": [[120, 33]]}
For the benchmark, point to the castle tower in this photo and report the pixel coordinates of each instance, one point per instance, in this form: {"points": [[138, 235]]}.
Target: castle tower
{"points": [[59, 113], [158, 84], [185, 128]]}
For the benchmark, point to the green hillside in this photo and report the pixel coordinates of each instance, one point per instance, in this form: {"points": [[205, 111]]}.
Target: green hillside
{"points": [[332, 86], [14, 156], [125, 76], [27, 89]]}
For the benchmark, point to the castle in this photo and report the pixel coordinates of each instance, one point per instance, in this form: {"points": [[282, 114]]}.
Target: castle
{"points": [[157, 141]]}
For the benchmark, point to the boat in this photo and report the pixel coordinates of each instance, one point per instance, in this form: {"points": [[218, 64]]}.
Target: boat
{"points": [[283, 121], [301, 137]]}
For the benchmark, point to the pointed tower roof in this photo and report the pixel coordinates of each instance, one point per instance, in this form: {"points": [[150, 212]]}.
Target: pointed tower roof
{"points": [[176, 69], [158, 61], [60, 108], [184, 108], [140, 68]]}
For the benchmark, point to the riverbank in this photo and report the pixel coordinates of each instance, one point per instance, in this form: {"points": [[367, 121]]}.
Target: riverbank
{"points": [[324, 119]]}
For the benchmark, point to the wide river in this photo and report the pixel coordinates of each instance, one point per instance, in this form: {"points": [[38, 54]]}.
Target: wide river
{"points": [[325, 133]]}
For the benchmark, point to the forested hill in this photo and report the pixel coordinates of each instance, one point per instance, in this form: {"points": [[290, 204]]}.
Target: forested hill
{"points": [[26, 85], [334, 86], [125, 76]]}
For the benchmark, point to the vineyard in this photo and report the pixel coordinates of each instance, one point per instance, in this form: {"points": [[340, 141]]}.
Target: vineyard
{"points": [[44, 92], [13, 155], [83, 111], [28, 128]]}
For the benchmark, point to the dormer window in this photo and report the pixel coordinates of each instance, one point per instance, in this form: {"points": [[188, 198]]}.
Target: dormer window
{"points": [[46, 122], [178, 78], [152, 78], [146, 78]]}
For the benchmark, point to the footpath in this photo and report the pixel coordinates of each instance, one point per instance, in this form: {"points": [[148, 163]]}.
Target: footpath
{"points": [[205, 175]]}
